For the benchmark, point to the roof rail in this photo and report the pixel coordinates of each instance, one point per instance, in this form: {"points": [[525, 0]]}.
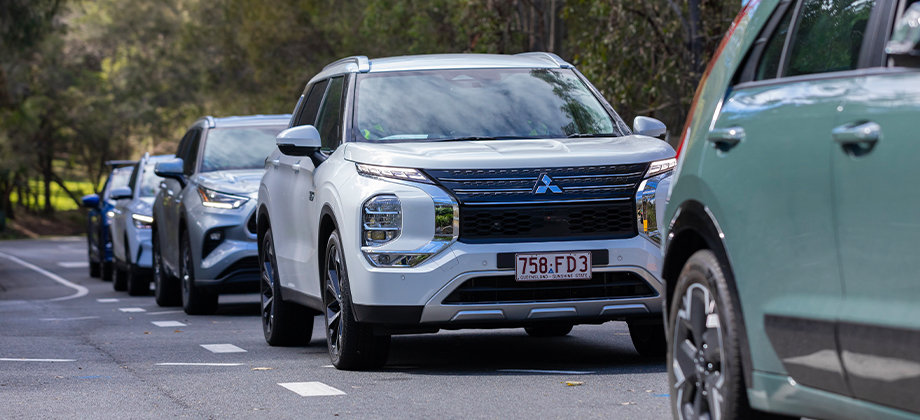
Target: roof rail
{"points": [[548, 56], [117, 163], [210, 120], [361, 61]]}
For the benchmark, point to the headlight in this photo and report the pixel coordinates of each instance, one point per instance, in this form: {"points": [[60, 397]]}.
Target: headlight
{"points": [[646, 199], [141, 221], [405, 174], [219, 200], [382, 220], [446, 229]]}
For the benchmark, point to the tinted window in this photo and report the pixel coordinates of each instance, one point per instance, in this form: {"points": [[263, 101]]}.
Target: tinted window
{"points": [[183, 145], [330, 117], [494, 103], [238, 148], [311, 107], [191, 156], [133, 182], [149, 182], [768, 68], [119, 178], [828, 36]]}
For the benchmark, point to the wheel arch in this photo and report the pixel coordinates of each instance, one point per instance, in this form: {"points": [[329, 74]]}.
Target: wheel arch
{"points": [[263, 223], [694, 228], [327, 224]]}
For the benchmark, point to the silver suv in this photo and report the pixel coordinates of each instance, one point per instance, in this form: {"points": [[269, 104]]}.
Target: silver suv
{"points": [[204, 228]]}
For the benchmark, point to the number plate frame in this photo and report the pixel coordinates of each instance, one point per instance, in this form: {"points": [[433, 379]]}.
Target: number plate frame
{"points": [[529, 269]]}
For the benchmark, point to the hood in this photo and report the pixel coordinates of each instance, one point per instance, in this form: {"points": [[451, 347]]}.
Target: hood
{"points": [[143, 205], [512, 153], [242, 182]]}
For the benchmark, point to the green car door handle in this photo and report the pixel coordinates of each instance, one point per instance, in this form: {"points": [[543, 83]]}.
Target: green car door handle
{"points": [[857, 139], [724, 139]]}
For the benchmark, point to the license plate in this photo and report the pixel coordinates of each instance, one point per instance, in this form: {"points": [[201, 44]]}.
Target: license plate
{"points": [[552, 266]]}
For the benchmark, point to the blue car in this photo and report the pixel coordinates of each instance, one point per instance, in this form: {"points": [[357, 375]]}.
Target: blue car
{"points": [[99, 217]]}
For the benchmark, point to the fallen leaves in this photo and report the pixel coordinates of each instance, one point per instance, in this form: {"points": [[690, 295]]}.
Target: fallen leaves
{"points": [[262, 368], [573, 383]]}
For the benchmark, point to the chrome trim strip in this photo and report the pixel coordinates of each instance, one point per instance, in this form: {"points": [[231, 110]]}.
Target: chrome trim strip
{"points": [[597, 176], [538, 313], [481, 315], [514, 203], [488, 190], [618, 309]]}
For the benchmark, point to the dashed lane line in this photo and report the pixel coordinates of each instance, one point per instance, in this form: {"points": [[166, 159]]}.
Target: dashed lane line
{"points": [[132, 309], [165, 312], [81, 291], [107, 300], [223, 348], [73, 264], [6, 359], [311, 389], [199, 364], [168, 323], [79, 318]]}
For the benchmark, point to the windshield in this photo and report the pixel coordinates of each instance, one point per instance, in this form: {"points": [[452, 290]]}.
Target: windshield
{"points": [[120, 177], [475, 104], [150, 182], [238, 148]]}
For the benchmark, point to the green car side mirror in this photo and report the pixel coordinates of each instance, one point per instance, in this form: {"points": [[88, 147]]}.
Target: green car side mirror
{"points": [[904, 46]]}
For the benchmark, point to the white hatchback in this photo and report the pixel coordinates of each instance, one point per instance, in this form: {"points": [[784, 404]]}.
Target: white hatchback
{"points": [[420, 193]]}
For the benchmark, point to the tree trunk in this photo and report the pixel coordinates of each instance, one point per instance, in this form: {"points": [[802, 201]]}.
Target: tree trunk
{"points": [[696, 39], [47, 179]]}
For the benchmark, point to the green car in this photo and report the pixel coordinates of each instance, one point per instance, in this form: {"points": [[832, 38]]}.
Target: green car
{"points": [[791, 247]]}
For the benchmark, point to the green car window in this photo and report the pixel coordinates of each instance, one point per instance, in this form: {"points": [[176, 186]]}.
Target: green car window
{"points": [[828, 36], [768, 68]]}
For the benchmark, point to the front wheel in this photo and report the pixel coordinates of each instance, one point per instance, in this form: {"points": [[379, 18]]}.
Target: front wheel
{"points": [[283, 323], [648, 338], [120, 278], [195, 301], [95, 268], [352, 345]]}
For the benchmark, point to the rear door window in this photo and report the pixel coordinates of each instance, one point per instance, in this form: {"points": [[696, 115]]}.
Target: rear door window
{"points": [[828, 36], [768, 68]]}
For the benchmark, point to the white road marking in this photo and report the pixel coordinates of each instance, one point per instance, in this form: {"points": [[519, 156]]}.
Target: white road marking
{"points": [[132, 309], [223, 348], [165, 312], [70, 319], [555, 372], [73, 264], [107, 300], [3, 359], [81, 291], [168, 323], [199, 364], [311, 389]]}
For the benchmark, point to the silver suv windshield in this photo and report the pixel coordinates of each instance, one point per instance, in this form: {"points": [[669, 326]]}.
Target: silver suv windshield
{"points": [[238, 148], [150, 181], [477, 104]]}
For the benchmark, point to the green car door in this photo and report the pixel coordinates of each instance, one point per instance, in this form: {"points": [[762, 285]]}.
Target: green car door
{"points": [[875, 150], [771, 168]]}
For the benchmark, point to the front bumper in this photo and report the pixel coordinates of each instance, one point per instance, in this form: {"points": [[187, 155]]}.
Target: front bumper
{"points": [[419, 296], [232, 265]]}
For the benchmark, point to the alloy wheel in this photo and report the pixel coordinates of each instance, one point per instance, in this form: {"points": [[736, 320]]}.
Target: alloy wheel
{"points": [[186, 275], [268, 292], [697, 356], [332, 299]]}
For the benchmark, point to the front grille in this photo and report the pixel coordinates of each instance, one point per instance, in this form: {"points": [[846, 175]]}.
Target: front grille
{"points": [[512, 205], [504, 289], [580, 183], [547, 222], [243, 264]]}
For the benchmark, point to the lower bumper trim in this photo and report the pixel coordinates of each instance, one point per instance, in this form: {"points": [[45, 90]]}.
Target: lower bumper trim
{"points": [[388, 314]]}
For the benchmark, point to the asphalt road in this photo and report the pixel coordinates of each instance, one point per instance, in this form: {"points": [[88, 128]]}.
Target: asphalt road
{"points": [[71, 347]]}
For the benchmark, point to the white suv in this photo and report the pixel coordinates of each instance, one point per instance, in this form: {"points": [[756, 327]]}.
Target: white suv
{"points": [[418, 193]]}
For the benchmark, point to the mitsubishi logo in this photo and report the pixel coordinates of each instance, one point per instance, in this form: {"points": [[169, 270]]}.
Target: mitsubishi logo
{"points": [[546, 184]]}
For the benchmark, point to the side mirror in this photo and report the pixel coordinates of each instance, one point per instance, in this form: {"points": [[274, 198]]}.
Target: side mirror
{"points": [[649, 127], [171, 169], [299, 141], [90, 200], [904, 46], [120, 193]]}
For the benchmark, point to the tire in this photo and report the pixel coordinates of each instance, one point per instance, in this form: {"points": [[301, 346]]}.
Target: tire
{"points": [[283, 323], [648, 338], [195, 301], [138, 281], [352, 345], [549, 330], [107, 271], [166, 290], [95, 269], [120, 279], [705, 351]]}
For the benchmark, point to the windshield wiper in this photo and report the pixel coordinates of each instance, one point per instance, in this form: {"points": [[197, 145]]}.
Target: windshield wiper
{"points": [[579, 135], [469, 138]]}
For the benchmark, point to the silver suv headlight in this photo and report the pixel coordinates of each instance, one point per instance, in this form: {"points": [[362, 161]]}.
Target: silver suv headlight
{"points": [[446, 229], [646, 203], [219, 200], [141, 221], [382, 220]]}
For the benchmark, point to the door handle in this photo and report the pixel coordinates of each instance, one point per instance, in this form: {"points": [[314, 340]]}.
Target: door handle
{"points": [[723, 139], [857, 139], [276, 162], [296, 166]]}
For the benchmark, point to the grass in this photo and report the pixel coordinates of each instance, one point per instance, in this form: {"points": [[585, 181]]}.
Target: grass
{"points": [[60, 201]]}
